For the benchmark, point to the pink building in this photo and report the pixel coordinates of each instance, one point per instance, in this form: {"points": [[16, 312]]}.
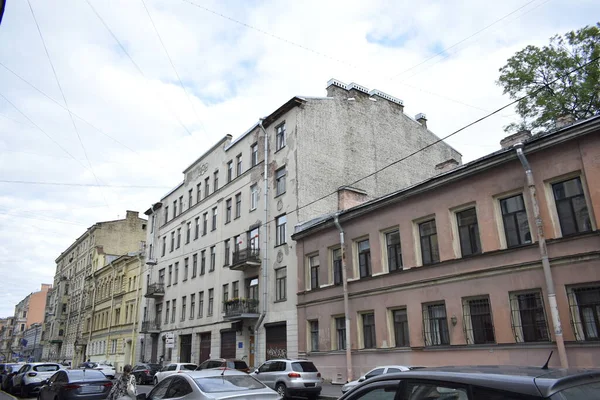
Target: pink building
{"points": [[449, 272]]}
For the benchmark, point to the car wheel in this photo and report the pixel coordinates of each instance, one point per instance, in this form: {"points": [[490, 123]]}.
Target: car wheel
{"points": [[155, 381], [281, 390]]}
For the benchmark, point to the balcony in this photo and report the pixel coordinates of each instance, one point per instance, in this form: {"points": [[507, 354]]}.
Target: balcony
{"points": [[245, 258], [241, 308], [57, 338], [155, 290], [150, 326]]}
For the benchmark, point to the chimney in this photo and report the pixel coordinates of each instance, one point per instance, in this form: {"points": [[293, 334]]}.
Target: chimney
{"points": [[422, 119], [337, 89], [564, 120], [349, 197], [511, 140], [132, 214], [445, 166], [357, 91]]}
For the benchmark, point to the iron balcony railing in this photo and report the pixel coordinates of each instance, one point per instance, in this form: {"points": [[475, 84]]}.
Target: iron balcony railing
{"points": [[155, 290], [152, 325], [246, 257], [240, 308]]}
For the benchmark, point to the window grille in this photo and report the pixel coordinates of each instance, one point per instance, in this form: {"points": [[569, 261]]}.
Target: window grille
{"points": [[435, 325], [528, 317], [584, 304], [477, 321]]}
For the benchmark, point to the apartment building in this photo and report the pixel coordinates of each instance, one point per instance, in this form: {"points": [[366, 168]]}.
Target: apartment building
{"points": [[6, 331], [63, 338], [222, 274], [449, 271]]}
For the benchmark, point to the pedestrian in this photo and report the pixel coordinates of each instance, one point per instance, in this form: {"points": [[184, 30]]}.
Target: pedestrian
{"points": [[124, 388]]}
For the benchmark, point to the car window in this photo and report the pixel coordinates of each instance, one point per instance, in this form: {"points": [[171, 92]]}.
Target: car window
{"points": [[392, 370], [53, 377], [587, 391], [480, 393], [381, 391], [159, 390], [62, 377], [304, 366], [228, 383], [240, 365], [46, 368], [172, 367], [373, 373], [434, 390], [179, 388], [266, 367], [189, 367], [24, 368], [85, 375]]}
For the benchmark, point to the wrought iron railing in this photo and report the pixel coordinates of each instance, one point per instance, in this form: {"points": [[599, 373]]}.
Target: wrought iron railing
{"points": [[236, 307], [246, 255]]}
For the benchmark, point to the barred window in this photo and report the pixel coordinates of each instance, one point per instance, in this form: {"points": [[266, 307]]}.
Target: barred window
{"points": [[435, 325], [477, 321], [314, 335], [400, 320], [571, 207], [584, 303], [337, 266], [528, 317], [394, 252], [368, 326], [340, 329], [314, 272]]}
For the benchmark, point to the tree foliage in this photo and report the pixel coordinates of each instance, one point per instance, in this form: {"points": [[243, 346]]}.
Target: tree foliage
{"points": [[532, 70]]}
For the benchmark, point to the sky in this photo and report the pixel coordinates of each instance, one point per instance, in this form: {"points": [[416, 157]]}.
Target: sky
{"points": [[147, 86]]}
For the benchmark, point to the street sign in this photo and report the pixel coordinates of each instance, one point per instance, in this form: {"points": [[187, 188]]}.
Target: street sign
{"points": [[170, 340]]}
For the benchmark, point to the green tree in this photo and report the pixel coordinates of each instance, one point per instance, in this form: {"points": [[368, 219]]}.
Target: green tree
{"points": [[533, 70]]}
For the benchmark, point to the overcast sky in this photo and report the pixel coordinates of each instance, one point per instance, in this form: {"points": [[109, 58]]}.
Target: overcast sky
{"points": [[137, 129]]}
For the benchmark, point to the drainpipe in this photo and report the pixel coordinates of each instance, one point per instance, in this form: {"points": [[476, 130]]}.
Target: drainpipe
{"points": [[110, 314], [265, 265], [346, 306], [136, 306], [560, 344], [95, 289]]}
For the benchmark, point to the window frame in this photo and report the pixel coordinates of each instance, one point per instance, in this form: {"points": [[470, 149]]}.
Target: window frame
{"points": [[581, 329], [280, 181], [371, 342], [469, 330], [228, 207], [280, 285], [254, 197], [338, 331], [419, 241], [516, 317], [229, 171], [393, 328], [336, 263], [254, 154], [238, 205], [555, 214], [280, 139], [313, 335], [313, 280], [280, 230], [474, 238], [238, 165], [443, 333], [396, 247], [502, 226], [363, 255]]}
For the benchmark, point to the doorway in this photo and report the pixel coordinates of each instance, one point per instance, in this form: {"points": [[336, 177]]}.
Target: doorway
{"points": [[185, 348], [204, 347], [228, 344]]}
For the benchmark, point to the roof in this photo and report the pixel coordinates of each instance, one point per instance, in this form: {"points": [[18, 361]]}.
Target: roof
{"points": [[213, 372], [533, 381]]}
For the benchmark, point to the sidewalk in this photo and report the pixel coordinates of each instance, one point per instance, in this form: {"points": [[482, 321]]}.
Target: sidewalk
{"points": [[331, 391], [6, 396]]}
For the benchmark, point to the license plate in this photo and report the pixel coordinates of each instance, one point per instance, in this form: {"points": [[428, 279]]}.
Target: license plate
{"points": [[91, 389], [309, 385]]}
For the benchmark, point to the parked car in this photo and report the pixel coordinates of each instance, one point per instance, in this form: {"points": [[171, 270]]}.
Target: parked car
{"points": [[11, 370], [387, 369], [79, 384], [173, 369], [106, 369], [211, 384], [481, 382], [28, 380], [144, 373], [291, 377], [230, 363]]}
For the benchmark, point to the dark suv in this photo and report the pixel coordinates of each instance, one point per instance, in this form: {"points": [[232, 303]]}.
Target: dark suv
{"points": [[481, 383], [144, 373], [230, 363]]}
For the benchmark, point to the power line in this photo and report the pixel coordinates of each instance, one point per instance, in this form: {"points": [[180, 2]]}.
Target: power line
{"points": [[23, 182], [137, 67]]}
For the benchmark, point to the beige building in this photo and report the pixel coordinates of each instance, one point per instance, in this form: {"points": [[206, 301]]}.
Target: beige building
{"points": [[449, 271], [63, 337], [6, 333], [223, 275]]}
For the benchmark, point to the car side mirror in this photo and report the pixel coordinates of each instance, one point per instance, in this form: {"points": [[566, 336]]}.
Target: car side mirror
{"points": [[44, 382], [361, 380], [256, 371]]}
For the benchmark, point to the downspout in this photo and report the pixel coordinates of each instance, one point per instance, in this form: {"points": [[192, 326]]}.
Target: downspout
{"points": [[560, 344], [112, 307], [136, 306], [95, 286], [265, 269], [346, 306]]}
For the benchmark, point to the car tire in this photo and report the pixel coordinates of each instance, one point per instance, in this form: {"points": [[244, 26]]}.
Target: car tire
{"points": [[281, 390], [155, 380]]}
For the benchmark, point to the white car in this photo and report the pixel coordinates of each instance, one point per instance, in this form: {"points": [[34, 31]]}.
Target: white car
{"points": [[173, 368], [108, 370], [29, 378], [387, 369]]}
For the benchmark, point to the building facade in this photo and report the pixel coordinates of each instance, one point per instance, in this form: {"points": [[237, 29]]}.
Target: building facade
{"points": [[222, 274], [63, 337], [449, 271], [31, 343], [6, 332]]}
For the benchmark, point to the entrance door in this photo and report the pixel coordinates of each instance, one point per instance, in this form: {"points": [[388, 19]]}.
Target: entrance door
{"points": [[185, 348], [276, 338], [251, 357], [228, 344], [154, 354], [204, 347]]}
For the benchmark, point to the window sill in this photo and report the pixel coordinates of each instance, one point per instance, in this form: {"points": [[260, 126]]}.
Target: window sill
{"points": [[279, 149], [280, 301], [237, 217], [226, 222], [213, 229], [193, 277], [281, 244], [279, 195], [184, 280]]}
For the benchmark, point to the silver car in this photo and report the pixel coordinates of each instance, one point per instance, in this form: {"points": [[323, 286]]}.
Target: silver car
{"points": [[214, 384], [386, 369], [291, 377]]}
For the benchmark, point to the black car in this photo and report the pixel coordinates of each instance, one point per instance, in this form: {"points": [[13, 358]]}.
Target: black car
{"points": [[76, 384], [481, 383], [144, 373]]}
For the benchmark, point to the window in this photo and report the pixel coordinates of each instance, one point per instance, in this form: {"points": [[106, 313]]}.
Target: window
{"points": [[173, 310], [166, 214], [280, 137], [215, 181], [229, 171], [584, 303], [227, 211], [429, 246], [198, 193], [188, 232], [280, 236], [528, 317], [225, 292], [202, 262], [571, 207], [238, 170], [167, 312], [340, 330], [280, 284], [212, 259], [514, 218], [368, 330], [253, 197], [280, 175], [314, 271], [178, 237], [204, 223], [180, 205], [192, 305], [214, 218], [235, 288], [197, 228], [364, 258], [172, 241], [435, 325], [314, 335], [200, 304], [211, 298], [206, 187], [416, 390], [161, 275], [468, 232], [176, 279], [183, 310], [394, 251], [194, 265], [400, 324], [477, 321], [238, 205], [164, 245], [170, 275], [254, 154], [190, 198], [336, 256], [227, 250], [186, 262], [174, 208]]}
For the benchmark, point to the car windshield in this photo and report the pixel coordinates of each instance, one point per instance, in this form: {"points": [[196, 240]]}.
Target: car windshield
{"points": [[85, 375], [304, 366], [587, 391], [46, 368], [231, 383], [154, 366], [240, 365], [190, 367]]}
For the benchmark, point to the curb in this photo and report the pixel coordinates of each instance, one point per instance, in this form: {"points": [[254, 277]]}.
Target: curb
{"points": [[3, 393]]}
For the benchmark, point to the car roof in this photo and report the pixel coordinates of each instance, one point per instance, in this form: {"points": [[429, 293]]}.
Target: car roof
{"points": [[213, 372], [524, 380], [390, 366]]}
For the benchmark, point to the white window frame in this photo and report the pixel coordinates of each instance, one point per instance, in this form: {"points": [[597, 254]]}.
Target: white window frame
{"points": [[254, 194], [384, 248], [454, 211], [417, 238]]}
